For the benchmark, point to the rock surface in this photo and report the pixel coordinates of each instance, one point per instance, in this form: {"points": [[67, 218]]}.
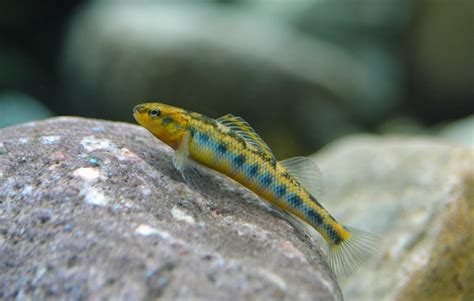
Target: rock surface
{"points": [[418, 195], [95, 210]]}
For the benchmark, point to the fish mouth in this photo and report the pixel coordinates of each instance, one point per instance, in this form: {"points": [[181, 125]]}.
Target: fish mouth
{"points": [[139, 109]]}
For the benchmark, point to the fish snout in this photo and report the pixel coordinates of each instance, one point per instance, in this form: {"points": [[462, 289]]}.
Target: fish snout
{"points": [[139, 109]]}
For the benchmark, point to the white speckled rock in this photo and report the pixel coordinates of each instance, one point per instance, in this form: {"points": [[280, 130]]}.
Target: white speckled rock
{"points": [[418, 195], [95, 210]]}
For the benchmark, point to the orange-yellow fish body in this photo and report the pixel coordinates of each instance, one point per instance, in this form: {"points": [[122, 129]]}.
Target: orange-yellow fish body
{"points": [[230, 146]]}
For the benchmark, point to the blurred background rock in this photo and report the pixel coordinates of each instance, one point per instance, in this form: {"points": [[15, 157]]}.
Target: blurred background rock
{"points": [[303, 72]]}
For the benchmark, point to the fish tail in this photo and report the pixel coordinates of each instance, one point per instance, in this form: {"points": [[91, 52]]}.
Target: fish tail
{"points": [[346, 256]]}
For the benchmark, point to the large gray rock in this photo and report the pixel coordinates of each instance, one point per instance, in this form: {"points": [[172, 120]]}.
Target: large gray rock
{"points": [[418, 195], [95, 210]]}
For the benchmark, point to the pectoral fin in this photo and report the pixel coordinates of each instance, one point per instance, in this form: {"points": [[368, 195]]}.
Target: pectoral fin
{"points": [[187, 167]]}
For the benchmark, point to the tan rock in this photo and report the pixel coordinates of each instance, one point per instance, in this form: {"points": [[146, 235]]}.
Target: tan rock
{"points": [[417, 194]]}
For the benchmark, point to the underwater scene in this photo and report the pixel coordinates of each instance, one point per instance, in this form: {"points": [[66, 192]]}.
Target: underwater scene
{"points": [[237, 150]]}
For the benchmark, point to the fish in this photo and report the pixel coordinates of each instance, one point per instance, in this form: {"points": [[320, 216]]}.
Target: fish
{"points": [[229, 145]]}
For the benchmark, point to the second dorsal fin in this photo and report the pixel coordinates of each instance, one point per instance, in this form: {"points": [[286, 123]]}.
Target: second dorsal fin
{"points": [[307, 173], [244, 130]]}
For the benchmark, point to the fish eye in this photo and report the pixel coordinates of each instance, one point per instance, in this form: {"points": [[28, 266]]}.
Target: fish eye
{"points": [[154, 113]]}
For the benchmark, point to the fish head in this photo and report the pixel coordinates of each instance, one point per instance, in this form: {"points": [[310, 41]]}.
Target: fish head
{"points": [[165, 122]]}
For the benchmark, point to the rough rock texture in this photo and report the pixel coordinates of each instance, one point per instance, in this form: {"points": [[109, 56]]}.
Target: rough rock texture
{"points": [[418, 195], [95, 210]]}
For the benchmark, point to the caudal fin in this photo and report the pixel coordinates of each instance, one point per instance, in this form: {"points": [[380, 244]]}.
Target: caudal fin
{"points": [[346, 257]]}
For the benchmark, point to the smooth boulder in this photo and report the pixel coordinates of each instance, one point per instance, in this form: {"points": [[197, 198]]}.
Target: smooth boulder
{"points": [[417, 194]]}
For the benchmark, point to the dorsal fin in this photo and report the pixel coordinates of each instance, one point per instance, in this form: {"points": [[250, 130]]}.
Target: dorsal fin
{"points": [[244, 130], [307, 173]]}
